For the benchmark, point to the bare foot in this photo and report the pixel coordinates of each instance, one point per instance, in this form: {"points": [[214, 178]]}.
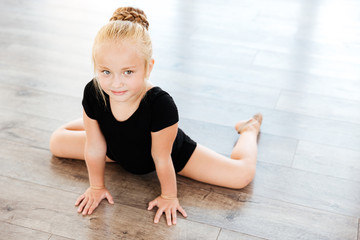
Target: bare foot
{"points": [[252, 124]]}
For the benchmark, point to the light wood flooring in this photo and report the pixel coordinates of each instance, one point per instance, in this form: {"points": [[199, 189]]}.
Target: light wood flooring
{"points": [[296, 61]]}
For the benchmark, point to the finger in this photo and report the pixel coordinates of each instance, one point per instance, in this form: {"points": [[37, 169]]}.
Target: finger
{"points": [[158, 215], [173, 213], [109, 198], [152, 204], [93, 207], [82, 204], [168, 217], [79, 199], [182, 211], [88, 205]]}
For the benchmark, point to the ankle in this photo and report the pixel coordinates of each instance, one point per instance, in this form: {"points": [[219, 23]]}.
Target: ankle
{"points": [[251, 128]]}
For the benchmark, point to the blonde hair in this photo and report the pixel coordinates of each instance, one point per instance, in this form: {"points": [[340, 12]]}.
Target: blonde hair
{"points": [[126, 24]]}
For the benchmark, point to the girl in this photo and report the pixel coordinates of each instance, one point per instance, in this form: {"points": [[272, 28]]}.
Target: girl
{"points": [[128, 120]]}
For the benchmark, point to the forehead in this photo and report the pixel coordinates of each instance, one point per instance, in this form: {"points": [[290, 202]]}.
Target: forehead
{"points": [[117, 54]]}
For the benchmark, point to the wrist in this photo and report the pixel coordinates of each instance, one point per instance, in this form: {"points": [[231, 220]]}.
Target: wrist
{"points": [[93, 187], [168, 197]]}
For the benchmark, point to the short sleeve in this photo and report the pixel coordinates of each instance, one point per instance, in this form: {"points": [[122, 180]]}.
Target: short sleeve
{"points": [[90, 101], [164, 112]]}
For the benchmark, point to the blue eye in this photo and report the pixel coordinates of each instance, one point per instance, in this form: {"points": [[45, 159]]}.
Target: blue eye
{"points": [[106, 72], [128, 72]]}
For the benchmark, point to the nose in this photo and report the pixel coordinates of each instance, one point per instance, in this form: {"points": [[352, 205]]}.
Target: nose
{"points": [[118, 81]]}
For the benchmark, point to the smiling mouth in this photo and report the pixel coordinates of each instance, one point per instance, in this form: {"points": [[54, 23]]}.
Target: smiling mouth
{"points": [[118, 93]]}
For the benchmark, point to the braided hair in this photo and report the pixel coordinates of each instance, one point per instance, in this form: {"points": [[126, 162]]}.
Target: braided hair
{"points": [[132, 15]]}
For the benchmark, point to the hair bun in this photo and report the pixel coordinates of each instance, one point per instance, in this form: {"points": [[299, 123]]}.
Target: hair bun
{"points": [[130, 14]]}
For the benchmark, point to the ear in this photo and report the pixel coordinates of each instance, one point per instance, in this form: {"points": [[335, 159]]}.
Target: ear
{"points": [[150, 67]]}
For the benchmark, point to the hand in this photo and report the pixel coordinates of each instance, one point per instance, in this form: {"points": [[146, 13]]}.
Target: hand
{"points": [[91, 199], [167, 206]]}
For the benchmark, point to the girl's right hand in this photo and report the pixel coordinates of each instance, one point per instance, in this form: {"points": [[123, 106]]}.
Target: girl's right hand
{"points": [[91, 199]]}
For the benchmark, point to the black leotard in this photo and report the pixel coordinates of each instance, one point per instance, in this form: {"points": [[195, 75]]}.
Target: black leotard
{"points": [[129, 142]]}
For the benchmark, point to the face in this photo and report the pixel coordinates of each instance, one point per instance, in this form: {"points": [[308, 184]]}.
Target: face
{"points": [[120, 70]]}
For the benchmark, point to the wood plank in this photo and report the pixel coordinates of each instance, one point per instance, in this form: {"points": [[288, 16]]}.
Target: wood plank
{"points": [[307, 64], [56, 237], [31, 205], [340, 87], [27, 129], [327, 160], [262, 217], [276, 150], [274, 29], [25, 163], [55, 20], [66, 83], [236, 92], [231, 235], [14, 232], [307, 189], [32, 59], [319, 106], [296, 81], [30, 101]]}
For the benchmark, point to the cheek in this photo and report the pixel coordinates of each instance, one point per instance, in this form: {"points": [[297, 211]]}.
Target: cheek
{"points": [[137, 81], [103, 82], [133, 84]]}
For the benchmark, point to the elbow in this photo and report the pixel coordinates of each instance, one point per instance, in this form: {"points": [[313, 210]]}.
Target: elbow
{"points": [[91, 154], [95, 150], [162, 161]]}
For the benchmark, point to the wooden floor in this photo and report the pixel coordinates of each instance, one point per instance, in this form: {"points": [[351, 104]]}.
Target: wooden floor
{"points": [[296, 61]]}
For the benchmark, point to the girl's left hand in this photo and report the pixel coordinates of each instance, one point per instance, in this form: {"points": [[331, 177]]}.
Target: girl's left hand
{"points": [[167, 206]]}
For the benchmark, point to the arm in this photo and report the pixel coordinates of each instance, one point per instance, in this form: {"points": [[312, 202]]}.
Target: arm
{"points": [[95, 152], [162, 142], [95, 156]]}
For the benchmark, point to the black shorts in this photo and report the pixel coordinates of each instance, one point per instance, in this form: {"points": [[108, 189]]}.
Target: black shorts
{"points": [[182, 153]]}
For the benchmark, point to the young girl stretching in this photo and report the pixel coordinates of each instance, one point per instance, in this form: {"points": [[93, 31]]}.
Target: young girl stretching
{"points": [[128, 120]]}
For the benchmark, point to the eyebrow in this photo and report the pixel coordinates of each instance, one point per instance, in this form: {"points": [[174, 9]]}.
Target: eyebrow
{"points": [[124, 68]]}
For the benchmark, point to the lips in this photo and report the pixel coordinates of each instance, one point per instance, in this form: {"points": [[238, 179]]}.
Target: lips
{"points": [[118, 93]]}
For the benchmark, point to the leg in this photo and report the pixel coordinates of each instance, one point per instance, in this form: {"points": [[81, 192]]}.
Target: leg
{"points": [[237, 171], [69, 140]]}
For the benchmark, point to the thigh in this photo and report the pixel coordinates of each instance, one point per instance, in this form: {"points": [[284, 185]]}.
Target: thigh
{"points": [[206, 165]]}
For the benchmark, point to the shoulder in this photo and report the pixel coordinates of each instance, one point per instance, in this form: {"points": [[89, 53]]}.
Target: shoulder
{"points": [[164, 112], [92, 101], [160, 100], [157, 95], [90, 88], [91, 91]]}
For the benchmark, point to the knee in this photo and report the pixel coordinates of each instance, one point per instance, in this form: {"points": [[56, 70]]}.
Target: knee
{"points": [[55, 143], [244, 177]]}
